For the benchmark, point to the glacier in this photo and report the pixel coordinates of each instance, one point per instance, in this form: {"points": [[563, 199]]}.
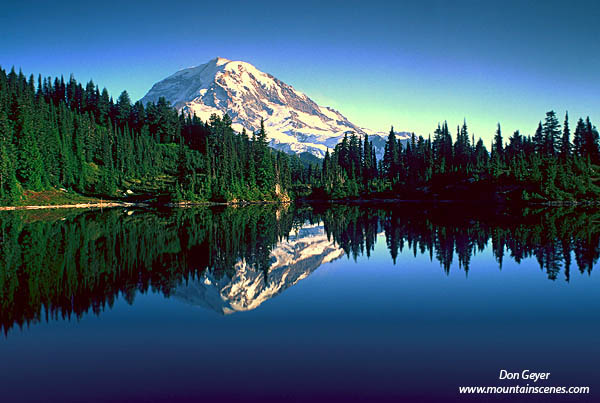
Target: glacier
{"points": [[294, 123]]}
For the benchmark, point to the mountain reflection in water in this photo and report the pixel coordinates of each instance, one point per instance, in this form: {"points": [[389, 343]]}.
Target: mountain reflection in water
{"points": [[64, 264], [293, 259]]}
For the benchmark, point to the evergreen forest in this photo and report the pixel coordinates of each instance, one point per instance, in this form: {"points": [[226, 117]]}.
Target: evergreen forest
{"points": [[65, 136], [553, 164]]}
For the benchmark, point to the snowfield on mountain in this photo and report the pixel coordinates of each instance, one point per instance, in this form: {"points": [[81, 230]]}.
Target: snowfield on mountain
{"points": [[294, 123]]}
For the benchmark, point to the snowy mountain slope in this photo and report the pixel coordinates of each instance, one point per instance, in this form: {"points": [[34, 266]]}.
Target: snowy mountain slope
{"points": [[294, 123], [292, 260]]}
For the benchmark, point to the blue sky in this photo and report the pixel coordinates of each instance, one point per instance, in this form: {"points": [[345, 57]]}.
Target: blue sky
{"points": [[410, 65]]}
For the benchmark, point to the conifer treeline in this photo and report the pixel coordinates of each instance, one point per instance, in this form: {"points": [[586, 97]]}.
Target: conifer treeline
{"points": [[546, 166], [57, 134]]}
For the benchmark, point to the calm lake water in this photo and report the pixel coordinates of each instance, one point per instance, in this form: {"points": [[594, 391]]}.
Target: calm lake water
{"points": [[261, 303]]}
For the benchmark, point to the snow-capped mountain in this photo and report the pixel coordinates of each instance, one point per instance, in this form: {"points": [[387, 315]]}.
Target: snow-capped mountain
{"points": [[292, 260], [294, 123]]}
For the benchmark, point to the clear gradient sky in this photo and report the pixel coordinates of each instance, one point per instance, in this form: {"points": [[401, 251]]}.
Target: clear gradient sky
{"points": [[409, 64]]}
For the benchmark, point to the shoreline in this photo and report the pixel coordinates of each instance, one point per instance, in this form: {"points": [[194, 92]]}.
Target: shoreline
{"points": [[553, 203], [113, 204], [74, 206]]}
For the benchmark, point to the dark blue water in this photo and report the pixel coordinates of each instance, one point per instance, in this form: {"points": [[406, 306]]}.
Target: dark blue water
{"points": [[321, 326]]}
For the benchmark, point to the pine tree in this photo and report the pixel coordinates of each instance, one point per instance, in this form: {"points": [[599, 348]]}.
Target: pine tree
{"points": [[9, 189], [498, 143], [565, 142], [497, 158], [579, 138], [538, 139], [442, 149], [551, 133], [103, 107], [481, 155], [590, 141], [391, 156], [123, 109], [265, 171]]}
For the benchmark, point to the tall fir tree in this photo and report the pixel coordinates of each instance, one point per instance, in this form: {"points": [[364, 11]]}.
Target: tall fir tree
{"points": [[565, 141]]}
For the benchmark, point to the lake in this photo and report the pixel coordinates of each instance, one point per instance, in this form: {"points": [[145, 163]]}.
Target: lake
{"points": [[310, 303]]}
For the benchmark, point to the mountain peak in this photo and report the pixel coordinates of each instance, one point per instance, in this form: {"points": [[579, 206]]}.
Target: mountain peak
{"points": [[219, 61], [294, 122]]}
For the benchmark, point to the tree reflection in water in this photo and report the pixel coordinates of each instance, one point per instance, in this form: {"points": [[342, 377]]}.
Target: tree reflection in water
{"points": [[65, 264]]}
